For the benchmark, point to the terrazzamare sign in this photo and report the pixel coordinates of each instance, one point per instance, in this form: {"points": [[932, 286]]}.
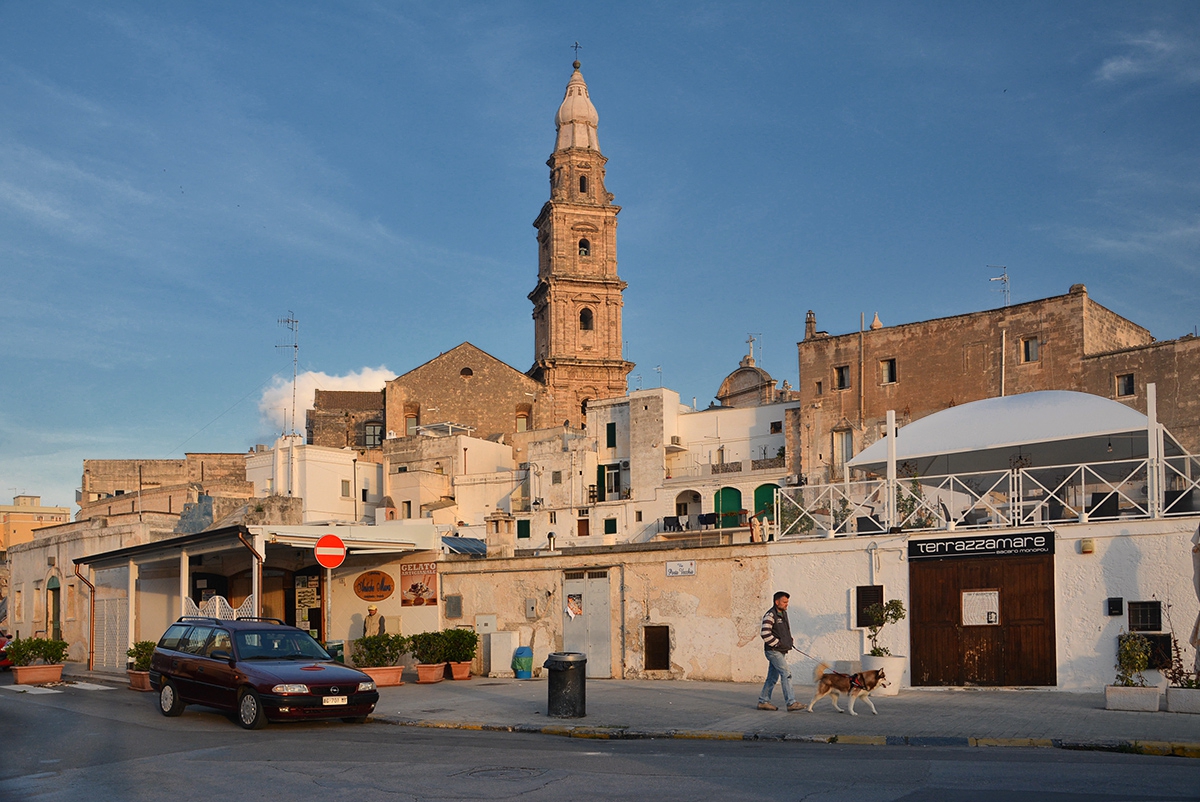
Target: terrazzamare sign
{"points": [[982, 545]]}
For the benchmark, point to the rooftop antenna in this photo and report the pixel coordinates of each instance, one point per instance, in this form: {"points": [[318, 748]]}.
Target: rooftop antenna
{"points": [[658, 368], [1002, 278], [293, 326]]}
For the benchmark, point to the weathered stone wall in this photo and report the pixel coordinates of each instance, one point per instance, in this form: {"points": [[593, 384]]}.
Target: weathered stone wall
{"points": [[338, 418]]}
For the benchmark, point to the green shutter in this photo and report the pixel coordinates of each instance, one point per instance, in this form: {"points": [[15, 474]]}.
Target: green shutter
{"points": [[610, 526], [610, 435], [523, 528], [600, 483]]}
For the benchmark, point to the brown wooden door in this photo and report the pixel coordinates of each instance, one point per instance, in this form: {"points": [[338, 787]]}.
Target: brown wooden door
{"points": [[1019, 651]]}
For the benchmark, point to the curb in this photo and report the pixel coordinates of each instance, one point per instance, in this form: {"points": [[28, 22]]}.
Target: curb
{"points": [[1158, 748]]}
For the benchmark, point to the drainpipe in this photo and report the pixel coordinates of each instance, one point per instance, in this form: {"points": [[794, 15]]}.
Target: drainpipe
{"points": [[91, 618]]}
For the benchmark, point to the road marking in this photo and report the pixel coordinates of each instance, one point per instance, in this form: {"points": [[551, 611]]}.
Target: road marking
{"points": [[89, 686], [28, 689]]}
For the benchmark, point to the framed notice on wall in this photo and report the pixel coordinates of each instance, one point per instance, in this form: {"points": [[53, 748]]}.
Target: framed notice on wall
{"points": [[418, 585], [981, 608]]}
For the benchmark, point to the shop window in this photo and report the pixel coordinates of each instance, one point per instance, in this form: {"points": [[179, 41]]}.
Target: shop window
{"points": [[373, 435], [1029, 349], [522, 529], [1125, 385], [864, 597], [841, 377], [1145, 616], [610, 526], [887, 371], [658, 648]]}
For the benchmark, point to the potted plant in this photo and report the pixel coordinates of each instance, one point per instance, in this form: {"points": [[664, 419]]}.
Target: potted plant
{"points": [[378, 656], [1130, 691], [37, 660], [1183, 686], [877, 617], [460, 651], [139, 670], [429, 649]]}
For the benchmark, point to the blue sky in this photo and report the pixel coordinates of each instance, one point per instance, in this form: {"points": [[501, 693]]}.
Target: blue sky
{"points": [[177, 177]]}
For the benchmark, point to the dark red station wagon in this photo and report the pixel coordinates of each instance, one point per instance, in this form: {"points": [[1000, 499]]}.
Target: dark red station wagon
{"points": [[260, 669]]}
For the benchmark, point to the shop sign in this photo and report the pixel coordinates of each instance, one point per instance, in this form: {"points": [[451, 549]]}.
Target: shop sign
{"points": [[418, 585], [374, 586], [982, 545]]}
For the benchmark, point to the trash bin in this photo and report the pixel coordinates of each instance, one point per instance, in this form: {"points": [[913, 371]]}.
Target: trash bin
{"points": [[337, 650], [568, 685], [522, 663]]}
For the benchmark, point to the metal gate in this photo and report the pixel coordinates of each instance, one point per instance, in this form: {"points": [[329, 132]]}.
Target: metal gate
{"points": [[587, 619], [112, 634]]}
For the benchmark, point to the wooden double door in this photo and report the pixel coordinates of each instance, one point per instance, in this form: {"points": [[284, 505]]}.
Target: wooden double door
{"points": [[949, 648]]}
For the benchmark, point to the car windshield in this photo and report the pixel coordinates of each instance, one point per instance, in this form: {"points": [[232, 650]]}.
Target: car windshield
{"points": [[267, 644]]}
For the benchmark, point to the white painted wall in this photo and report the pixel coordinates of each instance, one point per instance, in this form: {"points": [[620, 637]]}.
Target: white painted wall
{"points": [[315, 474]]}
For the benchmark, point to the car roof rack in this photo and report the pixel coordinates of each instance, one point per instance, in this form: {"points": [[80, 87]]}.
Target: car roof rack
{"points": [[198, 618], [261, 618]]}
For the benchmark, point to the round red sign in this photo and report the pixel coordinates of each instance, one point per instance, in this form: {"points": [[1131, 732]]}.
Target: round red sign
{"points": [[330, 551]]}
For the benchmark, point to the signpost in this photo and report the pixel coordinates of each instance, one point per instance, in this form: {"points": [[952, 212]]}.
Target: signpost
{"points": [[330, 551]]}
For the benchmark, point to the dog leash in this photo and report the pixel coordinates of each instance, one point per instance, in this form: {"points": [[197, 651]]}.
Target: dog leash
{"points": [[854, 683]]}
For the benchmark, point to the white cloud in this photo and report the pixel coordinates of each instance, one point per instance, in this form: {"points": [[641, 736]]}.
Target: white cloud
{"points": [[275, 406], [1154, 53]]}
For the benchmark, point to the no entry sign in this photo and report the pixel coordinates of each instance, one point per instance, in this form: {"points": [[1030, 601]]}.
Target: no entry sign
{"points": [[330, 551]]}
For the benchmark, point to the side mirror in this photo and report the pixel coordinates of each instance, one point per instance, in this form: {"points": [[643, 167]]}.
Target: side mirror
{"points": [[221, 654]]}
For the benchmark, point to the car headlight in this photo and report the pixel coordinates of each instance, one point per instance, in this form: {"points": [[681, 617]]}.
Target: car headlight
{"points": [[290, 689], [366, 686]]}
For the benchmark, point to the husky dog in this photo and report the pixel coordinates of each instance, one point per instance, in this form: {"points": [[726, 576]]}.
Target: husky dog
{"points": [[833, 684]]}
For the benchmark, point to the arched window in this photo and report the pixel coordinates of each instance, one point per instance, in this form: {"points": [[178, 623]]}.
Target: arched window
{"points": [[586, 320], [466, 373], [585, 248], [372, 435], [583, 184]]}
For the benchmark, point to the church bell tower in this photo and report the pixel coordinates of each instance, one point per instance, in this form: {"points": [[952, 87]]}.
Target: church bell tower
{"points": [[577, 301]]}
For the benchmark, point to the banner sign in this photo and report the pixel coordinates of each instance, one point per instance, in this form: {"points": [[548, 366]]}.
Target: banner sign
{"points": [[418, 585], [982, 545], [373, 586]]}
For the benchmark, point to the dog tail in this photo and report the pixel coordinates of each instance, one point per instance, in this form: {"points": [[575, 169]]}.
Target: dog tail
{"points": [[819, 671]]}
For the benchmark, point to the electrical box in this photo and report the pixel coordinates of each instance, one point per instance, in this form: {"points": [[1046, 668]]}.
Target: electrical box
{"points": [[1116, 606], [531, 609], [485, 624]]}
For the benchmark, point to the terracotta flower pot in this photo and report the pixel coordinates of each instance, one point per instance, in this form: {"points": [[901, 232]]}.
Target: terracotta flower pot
{"points": [[460, 670], [430, 672], [384, 676], [139, 680], [36, 675]]}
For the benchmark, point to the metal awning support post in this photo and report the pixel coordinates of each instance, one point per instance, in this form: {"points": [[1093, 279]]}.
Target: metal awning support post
{"points": [[1154, 448], [184, 582], [131, 613], [890, 503]]}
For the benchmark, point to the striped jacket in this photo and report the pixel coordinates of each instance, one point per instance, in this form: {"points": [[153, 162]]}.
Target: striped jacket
{"points": [[776, 631]]}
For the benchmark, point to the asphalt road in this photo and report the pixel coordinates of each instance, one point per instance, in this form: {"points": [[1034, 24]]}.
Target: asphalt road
{"points": [[114, 745]]}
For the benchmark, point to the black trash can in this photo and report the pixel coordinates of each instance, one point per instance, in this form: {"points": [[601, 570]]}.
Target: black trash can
{"points": [[568, 684]]}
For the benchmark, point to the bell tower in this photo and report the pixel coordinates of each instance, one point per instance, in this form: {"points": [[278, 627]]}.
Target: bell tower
{"points": [[577, 300]]}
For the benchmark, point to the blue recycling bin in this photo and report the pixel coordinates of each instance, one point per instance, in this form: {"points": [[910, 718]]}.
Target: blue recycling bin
{"points": [[522, 663]]}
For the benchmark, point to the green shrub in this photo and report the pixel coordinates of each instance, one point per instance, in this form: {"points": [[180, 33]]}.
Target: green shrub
{"points": [[376, 651], [429, 647], [140, 653], [879, 615], [27, 651], [1133, 657], [460, 644]]}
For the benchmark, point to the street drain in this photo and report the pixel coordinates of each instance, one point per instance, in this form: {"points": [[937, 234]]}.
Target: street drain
{"points": [[505, 773]]}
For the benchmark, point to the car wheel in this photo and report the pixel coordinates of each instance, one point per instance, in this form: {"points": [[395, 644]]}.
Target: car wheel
{"points": [[168, 699], [355, 720], [250, 710]]}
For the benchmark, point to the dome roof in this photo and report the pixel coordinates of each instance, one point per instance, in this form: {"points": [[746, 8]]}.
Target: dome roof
{"points": [[577, 119]]}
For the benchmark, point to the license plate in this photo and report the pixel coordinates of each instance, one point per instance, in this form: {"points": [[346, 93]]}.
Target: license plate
{"points": [[334, 700]]}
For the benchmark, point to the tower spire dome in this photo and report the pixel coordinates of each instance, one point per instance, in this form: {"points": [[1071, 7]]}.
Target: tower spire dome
{"points": [[577, 119]]}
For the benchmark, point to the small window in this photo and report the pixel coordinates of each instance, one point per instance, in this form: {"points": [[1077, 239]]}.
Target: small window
{"points": [[410, 425], [581, 513], [364, 495], [587, 321], [523, 529], [610, 526], [776, 427], [887, 371], [553, 517], [1125, 385], [610, 435], [658, 648], [637, 516], [556, 477], [1029, 349], [466, 373], [864, 597], [583, 184], [841, 377], [1145, 616], [820, 388], [373, 435], [345, 488], [407, 506], [585, 248], [522, 423]]}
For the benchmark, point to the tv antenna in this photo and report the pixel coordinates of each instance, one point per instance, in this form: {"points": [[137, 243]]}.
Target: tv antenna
{"points": [[292, 325], [1003, 279]]}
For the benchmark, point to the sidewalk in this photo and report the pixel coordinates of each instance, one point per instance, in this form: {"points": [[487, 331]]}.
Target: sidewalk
{"points": [[724, 710]]}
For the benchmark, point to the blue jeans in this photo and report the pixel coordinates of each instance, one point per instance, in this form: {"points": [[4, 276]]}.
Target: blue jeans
{"points": [[777, 670]]}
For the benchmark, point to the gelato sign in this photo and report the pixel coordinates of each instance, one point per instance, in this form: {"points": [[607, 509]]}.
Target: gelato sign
{"points": [[418, 585], [374, 586], [985, 545]]}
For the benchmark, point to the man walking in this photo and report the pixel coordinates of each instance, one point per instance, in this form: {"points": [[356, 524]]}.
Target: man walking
{"points": [[777, 638]]}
